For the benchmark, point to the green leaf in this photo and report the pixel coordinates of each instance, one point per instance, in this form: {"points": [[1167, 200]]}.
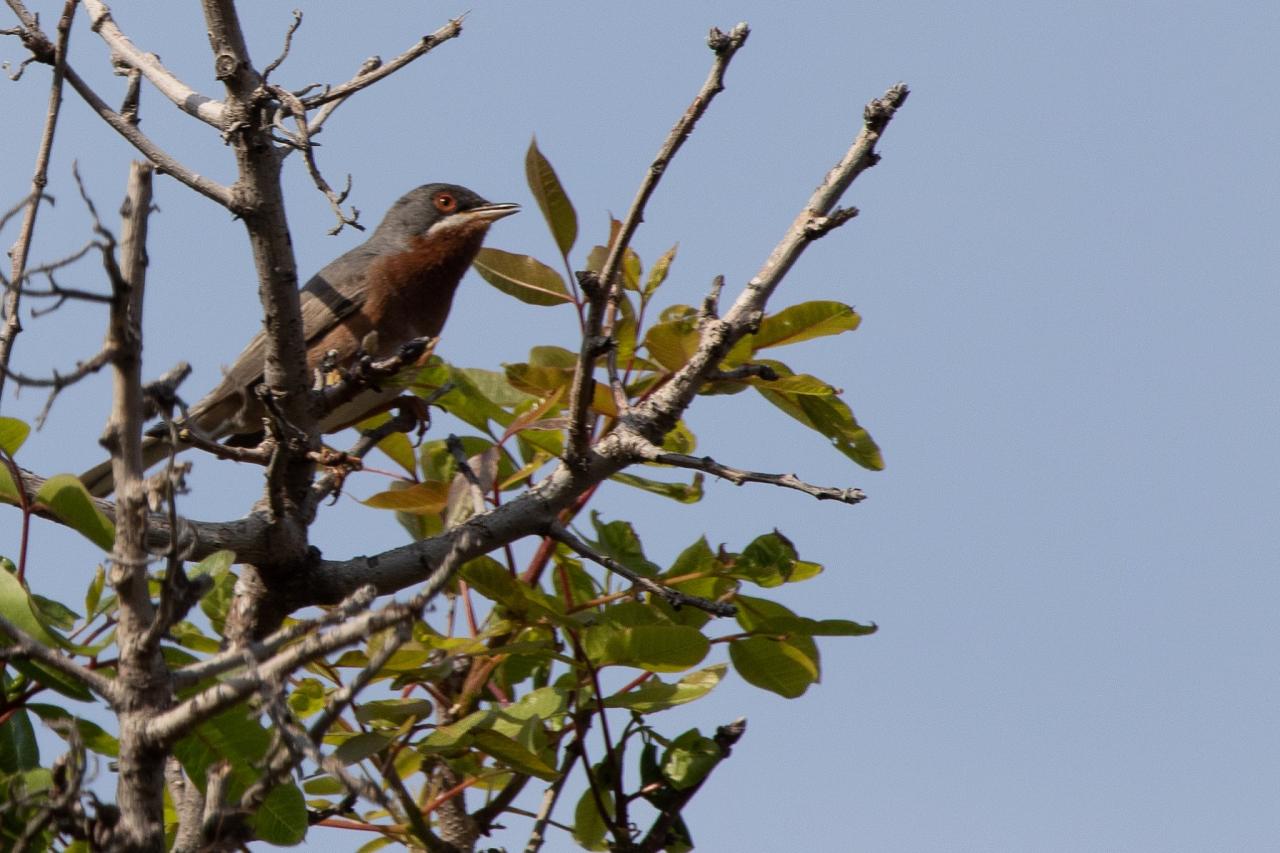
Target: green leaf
{"points": [[17, 607], [656, 695], [689, 759], [282, 817], [588, 824], [804, 321], [685, 493], [523, 277], [241, 742], [91, 734], [804, 398], [511, 754], [773, 665], [67, 497], [18, 748], [419, 498], [656, 648], [770, 561], [393, 712], [658, 274], [804, 626], [552, 200], [489, 578], [13, 433], [672, 343], [618, 539]]}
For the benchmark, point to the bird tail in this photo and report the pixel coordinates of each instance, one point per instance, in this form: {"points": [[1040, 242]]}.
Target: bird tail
{"points": [[100, 479]]}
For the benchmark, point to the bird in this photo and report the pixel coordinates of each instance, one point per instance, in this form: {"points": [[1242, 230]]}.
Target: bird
{"points": [[396, 286]]}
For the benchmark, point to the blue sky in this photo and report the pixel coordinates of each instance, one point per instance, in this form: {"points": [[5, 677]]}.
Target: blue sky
{"points": [[1067, 268]]}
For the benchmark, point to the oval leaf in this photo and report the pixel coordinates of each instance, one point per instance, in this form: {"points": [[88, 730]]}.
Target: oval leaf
{"points": [[420, 498], [552, 200], [773, 665], [527, 279], [804, 321], [66, 496], [12, 433]]}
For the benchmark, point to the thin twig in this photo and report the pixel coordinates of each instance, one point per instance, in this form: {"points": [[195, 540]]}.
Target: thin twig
{"points": [[23, 645], [364, 79], [288, 43], [580, 394], [673, 597], [737, 476], [40, 177]]}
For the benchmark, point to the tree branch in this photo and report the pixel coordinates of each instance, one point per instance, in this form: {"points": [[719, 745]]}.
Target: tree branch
{"points": [[191, 102], [40, 177], [23, 645], [370, 75], [737, 476], [673, 597], [580, 393]]}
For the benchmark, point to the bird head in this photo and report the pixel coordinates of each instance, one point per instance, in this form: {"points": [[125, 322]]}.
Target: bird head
{"points": [[436, 208]]}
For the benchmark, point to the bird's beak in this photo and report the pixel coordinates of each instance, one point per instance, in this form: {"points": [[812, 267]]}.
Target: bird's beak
{"points": [[491, 212]]}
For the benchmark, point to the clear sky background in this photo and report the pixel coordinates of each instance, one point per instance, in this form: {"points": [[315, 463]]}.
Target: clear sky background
{"points": [[1067, 265]]}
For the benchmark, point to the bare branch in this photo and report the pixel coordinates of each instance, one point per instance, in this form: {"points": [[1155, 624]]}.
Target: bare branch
{"points": [[182, 96], [40, 177], [23, 645], [367, 78], [295, 108], [737, 476], [725, 47], [672, 596], [288, 43]]}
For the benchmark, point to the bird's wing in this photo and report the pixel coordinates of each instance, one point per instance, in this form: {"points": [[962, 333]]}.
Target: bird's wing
{"points": [[323, 306]]}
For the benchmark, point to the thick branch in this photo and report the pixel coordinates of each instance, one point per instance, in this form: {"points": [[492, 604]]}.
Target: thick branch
{"points": [[183, 96]]}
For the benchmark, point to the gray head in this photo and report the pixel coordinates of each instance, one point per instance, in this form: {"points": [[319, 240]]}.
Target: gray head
{"points": [[432, 207]]}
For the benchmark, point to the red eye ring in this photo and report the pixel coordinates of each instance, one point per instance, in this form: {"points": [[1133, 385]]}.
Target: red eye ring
{"points": [[445, 202]]}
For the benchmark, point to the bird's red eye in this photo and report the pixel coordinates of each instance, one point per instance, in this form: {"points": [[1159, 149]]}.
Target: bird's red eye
{"points": [[446, 203]]}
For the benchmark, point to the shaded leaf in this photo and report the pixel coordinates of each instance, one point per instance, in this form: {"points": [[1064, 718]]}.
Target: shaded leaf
{"points": [[527, 279], [689, 759], [92, 735]]}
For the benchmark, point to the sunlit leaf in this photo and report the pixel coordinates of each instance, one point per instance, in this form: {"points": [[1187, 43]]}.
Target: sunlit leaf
{"points": [[689, 759], [672, 343], [685, 493], [13, 433], [773, 665], [658, 274], [523, 277], [67, 497], [804, 321], [17, 607], [418, 498], [512, 754], [552, 200], [822, 411], [655, 695]]}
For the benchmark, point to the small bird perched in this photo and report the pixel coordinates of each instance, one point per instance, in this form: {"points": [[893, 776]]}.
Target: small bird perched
{"points": [[396, 286]]}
